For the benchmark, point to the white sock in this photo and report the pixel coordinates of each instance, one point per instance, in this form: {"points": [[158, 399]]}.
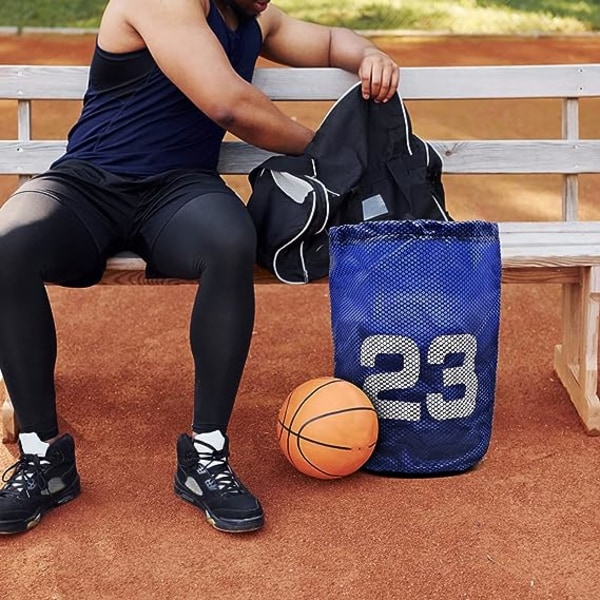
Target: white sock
{"points": [[213, 438], [32, 444]]}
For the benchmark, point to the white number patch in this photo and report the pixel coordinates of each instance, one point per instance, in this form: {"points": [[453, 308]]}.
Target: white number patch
{"points": [[408, 376]]}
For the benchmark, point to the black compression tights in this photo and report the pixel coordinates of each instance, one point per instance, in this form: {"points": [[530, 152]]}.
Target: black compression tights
{"points": [[211, 238]]}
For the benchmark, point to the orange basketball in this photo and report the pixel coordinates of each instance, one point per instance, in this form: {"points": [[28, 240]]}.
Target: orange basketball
{"points": [[327, 428]]}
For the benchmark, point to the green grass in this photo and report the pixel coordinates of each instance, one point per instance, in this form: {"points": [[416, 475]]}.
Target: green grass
{"points": [[456, 16], [51, 13]]}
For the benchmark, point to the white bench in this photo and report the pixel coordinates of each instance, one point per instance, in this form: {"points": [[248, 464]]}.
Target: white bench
{"points": [[565, 251]]}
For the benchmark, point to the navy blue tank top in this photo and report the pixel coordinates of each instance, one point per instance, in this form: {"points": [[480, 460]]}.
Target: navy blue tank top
{"points": [[134, 121]]}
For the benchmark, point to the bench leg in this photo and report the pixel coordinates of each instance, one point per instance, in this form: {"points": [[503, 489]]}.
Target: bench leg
{"points": [[10, 429], [576, 360]]}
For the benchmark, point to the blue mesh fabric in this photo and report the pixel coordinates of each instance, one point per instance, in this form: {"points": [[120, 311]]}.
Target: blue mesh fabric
{"points": [[415, 310]]}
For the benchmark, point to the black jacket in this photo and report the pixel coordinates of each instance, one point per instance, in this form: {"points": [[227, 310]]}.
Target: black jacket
{"points": [[364, 163]]}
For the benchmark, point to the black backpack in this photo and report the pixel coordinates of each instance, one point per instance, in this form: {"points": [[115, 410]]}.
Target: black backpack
{"points": [[364, 164]]}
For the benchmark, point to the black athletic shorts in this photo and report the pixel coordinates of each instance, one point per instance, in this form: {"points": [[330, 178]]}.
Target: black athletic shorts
{"points": [[120, 212]]}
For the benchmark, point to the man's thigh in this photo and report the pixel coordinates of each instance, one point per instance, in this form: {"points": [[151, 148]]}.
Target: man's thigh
{"points": [[198, 218], [38, 230]]}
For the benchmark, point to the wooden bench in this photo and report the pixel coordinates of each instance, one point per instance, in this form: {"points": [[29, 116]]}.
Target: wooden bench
{"points": [[565, 251]]}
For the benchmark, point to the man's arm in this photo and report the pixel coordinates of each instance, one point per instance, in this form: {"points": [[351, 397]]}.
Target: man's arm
{"points": [[178, 36], [300, 44]]}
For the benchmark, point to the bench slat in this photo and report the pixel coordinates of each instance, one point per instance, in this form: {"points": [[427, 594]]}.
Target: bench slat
{"points": [[493, 156], [422, 83], [550, 244]]}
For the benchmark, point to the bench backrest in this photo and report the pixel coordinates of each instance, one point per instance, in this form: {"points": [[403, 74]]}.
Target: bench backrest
{"points": [[568, 155]]}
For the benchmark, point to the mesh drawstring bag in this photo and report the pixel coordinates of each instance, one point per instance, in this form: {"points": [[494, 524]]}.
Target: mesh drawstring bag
{"points": [[415, 310]]}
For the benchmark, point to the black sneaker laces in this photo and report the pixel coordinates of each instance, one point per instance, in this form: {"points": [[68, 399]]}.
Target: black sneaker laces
{"points": [[29, 469], [215, 462]]}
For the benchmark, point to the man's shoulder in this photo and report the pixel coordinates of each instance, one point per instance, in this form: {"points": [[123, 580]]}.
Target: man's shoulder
{"points": [[130, 8], [126, 22], [270, 20]]}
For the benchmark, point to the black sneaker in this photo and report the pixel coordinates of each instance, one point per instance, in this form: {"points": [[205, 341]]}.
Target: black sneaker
{"points": [[214, 487], [38, 484]]}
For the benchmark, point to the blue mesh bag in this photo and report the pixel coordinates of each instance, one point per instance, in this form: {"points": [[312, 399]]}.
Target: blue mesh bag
{"points": [[415, 311]]}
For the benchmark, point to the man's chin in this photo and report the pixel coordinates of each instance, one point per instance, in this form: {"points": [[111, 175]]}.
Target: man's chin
{"points": [[260, 7], [253, 11]]}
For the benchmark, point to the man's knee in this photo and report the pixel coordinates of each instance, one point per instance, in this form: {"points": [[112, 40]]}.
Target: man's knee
{"points": [[235, 244]]}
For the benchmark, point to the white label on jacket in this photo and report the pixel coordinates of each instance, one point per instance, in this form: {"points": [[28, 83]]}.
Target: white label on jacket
{"points": [[373, 207], [294, 187]]}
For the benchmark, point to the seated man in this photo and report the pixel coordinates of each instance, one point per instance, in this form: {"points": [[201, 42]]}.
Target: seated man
{"points": [[167, 79]]}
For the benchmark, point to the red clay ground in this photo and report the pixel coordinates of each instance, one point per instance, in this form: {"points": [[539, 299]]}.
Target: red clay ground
{"points": [[524, 524]]}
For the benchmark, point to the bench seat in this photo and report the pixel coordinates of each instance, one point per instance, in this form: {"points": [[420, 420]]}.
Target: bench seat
{"points": [[548, 251]]}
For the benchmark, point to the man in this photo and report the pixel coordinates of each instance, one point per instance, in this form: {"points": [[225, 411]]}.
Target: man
{"points": [[167, 79]]}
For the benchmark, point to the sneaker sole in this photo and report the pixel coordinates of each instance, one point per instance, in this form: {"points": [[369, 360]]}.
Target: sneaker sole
{"points": [[12, 527], [226, 525]]}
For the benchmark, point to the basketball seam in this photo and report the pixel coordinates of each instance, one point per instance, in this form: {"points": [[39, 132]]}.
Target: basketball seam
{"points": [[295, 414], [287, 405], [328, 414], [312, 441]]}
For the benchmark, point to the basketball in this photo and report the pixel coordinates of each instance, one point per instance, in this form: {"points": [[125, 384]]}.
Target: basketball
{"points": [[327, 428]]}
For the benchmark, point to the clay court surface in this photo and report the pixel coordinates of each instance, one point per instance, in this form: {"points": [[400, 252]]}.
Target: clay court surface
{"points": [[524, 524]]}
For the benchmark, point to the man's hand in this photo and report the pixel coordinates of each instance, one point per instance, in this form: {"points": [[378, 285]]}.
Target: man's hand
{"points": [[297, 43], [379, 76]]}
